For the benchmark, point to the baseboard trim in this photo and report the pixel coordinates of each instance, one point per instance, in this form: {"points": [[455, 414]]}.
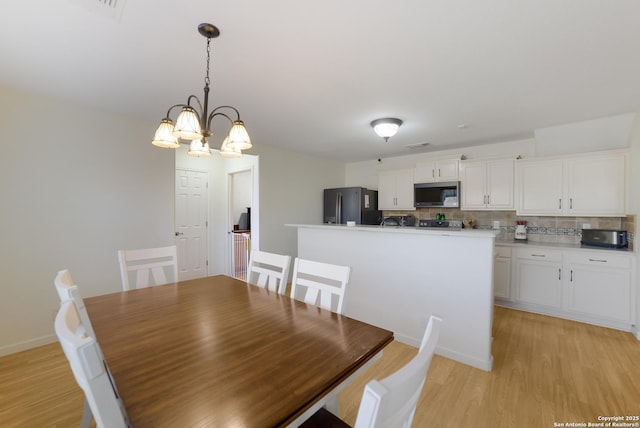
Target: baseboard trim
{"points": [[27, 344]]}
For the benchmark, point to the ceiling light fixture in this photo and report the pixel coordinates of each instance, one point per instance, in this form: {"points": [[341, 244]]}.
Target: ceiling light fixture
{"points": [[194, 126], [386, 127]]}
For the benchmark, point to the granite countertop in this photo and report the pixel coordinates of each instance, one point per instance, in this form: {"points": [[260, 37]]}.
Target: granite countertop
{"points": [[471, 233], [510, 242]]}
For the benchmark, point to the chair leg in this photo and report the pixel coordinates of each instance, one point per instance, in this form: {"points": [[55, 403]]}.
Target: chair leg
{"points": [[87, 416]]}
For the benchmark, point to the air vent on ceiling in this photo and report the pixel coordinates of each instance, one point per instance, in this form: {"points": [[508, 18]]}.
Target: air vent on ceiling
{"points": [[417, 145], [109, 8]]}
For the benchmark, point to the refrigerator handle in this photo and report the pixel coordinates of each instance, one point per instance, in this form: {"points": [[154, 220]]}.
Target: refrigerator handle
{"points": [[339, 208]]}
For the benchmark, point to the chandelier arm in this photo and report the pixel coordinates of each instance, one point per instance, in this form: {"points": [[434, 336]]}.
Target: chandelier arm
{"points": [[197, 101], [230, 107], [174, 106], [218, 113]]}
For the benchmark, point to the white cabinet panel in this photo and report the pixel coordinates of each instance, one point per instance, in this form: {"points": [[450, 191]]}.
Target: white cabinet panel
{"points": [[395, 190], [502, 273], [540, 187], [487, 184], [596, 186], [539, 282], [587, 185], [439, 170]]}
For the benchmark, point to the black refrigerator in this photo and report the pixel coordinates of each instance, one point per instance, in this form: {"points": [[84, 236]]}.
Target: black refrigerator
{"points": [[351, 204]]}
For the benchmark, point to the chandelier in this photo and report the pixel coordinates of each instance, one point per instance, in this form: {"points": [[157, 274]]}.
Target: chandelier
{"points": [[193, 125]]}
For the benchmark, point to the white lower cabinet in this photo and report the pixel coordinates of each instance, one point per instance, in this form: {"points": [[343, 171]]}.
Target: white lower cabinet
{"points": [[599, 284], [583, 285], [539, 277], [502, 273]]}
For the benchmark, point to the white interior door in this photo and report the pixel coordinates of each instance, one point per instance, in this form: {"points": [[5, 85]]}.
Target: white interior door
{"points": [[192, 202]]}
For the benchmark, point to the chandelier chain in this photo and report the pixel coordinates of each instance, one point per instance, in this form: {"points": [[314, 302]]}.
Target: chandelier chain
{"points": [[206, 79]]}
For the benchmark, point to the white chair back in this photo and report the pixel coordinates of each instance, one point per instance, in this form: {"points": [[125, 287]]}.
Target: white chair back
{"points": [[147, 261], [89, 368], [391, 402], [67, 290], [268, 270], [320, 284]]}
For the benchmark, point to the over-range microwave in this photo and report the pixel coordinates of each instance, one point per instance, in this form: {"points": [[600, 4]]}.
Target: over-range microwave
{"points": [[440, 194]]}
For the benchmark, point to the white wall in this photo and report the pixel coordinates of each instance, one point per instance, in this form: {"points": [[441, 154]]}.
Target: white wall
{"points": [[634, 196], [291, 186], [71, 199]]}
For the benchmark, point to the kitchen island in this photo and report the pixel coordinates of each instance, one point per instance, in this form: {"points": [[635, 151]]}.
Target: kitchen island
{"points": [[402, 275]]}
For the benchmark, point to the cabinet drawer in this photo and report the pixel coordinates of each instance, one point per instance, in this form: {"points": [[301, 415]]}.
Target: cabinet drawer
{"points": [[540, 254], [503, 252], [600, 259]]}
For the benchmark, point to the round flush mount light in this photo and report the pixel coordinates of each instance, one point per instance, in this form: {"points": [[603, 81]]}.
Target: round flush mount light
{"points": [[386, 127]]}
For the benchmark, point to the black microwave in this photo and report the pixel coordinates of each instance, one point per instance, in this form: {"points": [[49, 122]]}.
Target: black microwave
{"points": [[442, 194]]}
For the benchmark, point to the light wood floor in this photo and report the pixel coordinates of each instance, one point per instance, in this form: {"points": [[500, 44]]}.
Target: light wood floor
{"points": [[546, 370]]}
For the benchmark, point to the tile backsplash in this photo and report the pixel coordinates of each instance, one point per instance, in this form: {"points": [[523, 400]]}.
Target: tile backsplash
{"points": [[539, 229]]}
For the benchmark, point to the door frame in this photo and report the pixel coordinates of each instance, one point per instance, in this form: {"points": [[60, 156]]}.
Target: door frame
{"points": [[255, 208]]}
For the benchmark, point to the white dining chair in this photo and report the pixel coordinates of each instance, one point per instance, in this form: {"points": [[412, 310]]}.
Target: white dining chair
{"points": [[320, 284], [69, 291], [390, 402], [269, 270], [148, 261], [89, 368]]}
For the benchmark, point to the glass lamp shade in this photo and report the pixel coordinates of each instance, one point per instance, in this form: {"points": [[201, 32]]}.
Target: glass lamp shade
{"points": [[198, 149], [188, 125], [228, 152], [386, 128], [164, 135], [239, 137]]}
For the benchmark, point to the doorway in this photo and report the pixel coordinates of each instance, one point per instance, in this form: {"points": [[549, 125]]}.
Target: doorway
{"points": [[240, 200]]}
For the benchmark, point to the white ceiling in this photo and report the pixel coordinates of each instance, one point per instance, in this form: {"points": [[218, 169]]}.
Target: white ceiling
{"points": [[311, 76]]}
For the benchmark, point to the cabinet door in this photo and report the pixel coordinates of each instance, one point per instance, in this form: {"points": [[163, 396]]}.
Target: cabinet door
{"points": [[502, 277], [596, 186], [539, 283], [473, 185], [404, 190], [386, 190], [446, 170], [500, 184], [424, 172], [540, 190], [601, 292]]}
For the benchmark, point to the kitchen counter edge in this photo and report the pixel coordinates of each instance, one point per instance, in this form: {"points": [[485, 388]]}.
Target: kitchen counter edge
{"points": [[467, 233]]}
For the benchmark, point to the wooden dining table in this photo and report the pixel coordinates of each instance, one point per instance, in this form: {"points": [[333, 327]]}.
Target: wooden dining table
{"points": [[216, 352]]}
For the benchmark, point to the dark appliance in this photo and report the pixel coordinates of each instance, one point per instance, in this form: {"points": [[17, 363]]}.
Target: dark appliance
{"points": [[605, 238], [351, 204], [400, 220], [442, 194], [451, 224]]}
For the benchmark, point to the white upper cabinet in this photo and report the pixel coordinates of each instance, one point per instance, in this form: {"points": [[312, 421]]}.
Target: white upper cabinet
{"points": [[395, 190], [438, 170], [487, 184], [587, 185]]}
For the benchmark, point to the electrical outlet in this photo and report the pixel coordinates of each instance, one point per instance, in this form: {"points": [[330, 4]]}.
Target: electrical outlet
{"points": [[496, 224], [586, 225]]}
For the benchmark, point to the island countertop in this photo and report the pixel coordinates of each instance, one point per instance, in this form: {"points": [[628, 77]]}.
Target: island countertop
{"points": [[439, 231]]}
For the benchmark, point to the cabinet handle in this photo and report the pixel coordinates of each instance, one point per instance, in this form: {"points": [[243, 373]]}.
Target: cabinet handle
{"points": [[433, 173], [559, 274], [571, 275], [538, 255], [488, 199], [559, 203], [570, 203], [439, 175], [598, 260]]}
